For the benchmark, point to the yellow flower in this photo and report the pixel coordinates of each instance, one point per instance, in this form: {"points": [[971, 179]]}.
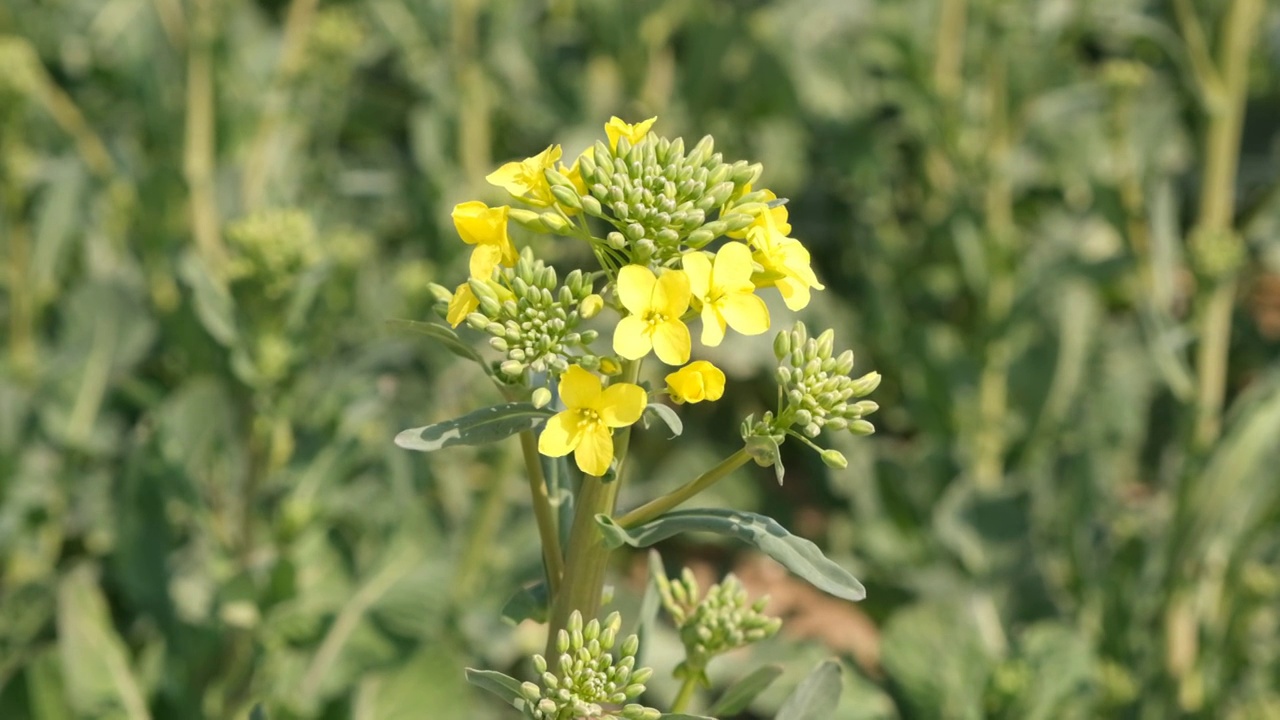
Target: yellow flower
{"points": [[779, 215], [585, 426], [463, 303], [574, 172], [785, 260], [695, 382], [616, 128], [526, 179], [656, 305], [726, 293], [486, 228]]}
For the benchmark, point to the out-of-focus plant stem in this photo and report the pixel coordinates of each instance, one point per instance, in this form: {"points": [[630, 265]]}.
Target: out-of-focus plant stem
{"points": [[198, 156], [658, 506], [293, 42], [685, 696], [484, 528], [588, 556], [552, 554], [473, 92], [993, 390], [1225, 93], [949, 50]]}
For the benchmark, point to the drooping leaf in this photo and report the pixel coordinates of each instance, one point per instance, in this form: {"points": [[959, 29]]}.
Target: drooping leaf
{"points": [[935, 655], [476, 428], [666, 415], [817, 695], [441, 334], [504, 686], [95, 663], [797, 554], [528, 603], [740, 694], [647, 616], [213, 303]]}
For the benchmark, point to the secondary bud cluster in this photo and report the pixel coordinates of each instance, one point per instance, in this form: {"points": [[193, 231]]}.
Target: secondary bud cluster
{"points": [[589, 682], [658, 198], [537, 329], [721, 621], [817, 391], [273, 248]]}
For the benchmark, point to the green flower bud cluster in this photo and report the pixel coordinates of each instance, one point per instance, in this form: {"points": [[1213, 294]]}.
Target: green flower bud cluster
{"points": [[658, 198], [721, 621], [817, 391], [537, 330], [273, 248], [589, 682]]}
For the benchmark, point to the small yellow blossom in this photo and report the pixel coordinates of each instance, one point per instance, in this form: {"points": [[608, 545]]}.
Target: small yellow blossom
{"points": [[779, 215], [463, 303], [656, 304], [695, 382], [486, 228], [585, 426], [785, 260], [726, 293], [574, 173], [526, 179], [616, 128]]}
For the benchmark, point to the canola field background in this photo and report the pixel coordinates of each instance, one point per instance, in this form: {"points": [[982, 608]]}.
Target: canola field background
{"points": [[1052, 226]]}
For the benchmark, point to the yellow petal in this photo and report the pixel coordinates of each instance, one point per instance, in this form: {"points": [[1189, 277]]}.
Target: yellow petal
{"points": [[509, 177], [794, 293], [483, 260], [616, 128], [631, 338], [635, 288], [712, 379], [698, 269], [479, 224], [671, 342], [595, 450], [560, 435], [712, 326], [622, 404], [671, 293], [733, 266], [463, 303], [696, 382], [579, 388], [745, 313]]}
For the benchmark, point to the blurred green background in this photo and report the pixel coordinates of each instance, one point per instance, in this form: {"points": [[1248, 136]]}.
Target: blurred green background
{"points": [[1038, 219]]}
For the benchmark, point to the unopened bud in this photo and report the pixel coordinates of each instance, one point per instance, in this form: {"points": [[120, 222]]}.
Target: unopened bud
{"points": [[782, 345], [541, 397], [567, 196], [861, 427], [591, 306], [866, 384], [527, 219], [834, 459], [512, 367], [555, 223], [439, 293]]}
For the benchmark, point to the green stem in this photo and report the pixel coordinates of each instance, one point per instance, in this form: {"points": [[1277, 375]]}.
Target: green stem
{"points": [[487, 523], [1226, 102], [656, 507], [199, 153], [547, 529], [588, 556], [687, 688]]}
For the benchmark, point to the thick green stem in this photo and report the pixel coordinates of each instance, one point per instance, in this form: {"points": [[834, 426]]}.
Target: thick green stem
{"points": [[588, 556], [199, 154], [547, 529], [949, 49], [685, 696], [1226, 102], [656, 507]]}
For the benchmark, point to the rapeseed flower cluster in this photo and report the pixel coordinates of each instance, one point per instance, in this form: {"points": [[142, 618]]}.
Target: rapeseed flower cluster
{"points": [[680, 237]]}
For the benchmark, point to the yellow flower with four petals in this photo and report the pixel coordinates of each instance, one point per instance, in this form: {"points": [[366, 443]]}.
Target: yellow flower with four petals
{"points": [[656, 304], [725, 290], [785, 260], [585, 426], [526, 179], [486, 228], [695, 382]]}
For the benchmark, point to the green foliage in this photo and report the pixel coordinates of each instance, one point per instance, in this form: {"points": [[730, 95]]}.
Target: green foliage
{"points": [[209, 211]]}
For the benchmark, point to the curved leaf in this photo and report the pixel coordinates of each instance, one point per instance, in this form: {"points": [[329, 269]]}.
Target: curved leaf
{"points": [[796, 553], [504, 686], [765, 451], [476, 428], [528, 603], [739, 695], [817, 695], [666, 415], [444, 335]]}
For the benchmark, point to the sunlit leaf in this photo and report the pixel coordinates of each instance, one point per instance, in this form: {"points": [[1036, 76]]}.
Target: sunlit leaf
{"points": [[476, 428], [740, 694], [817, 695]]}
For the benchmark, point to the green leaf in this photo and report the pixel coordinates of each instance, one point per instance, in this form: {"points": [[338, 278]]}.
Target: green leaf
{"points": [[95, 663], [765, 451], [666, 415], [528, 603], [739, 695], [476, 428], [817, 695], [647, 617], [796, 553], [444, 335], [212, 301], [504, 686]]}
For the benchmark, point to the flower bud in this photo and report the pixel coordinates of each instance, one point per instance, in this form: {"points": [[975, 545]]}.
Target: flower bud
{"points": [[834, 459], [781, 345], [512, 367], [541, 397], [861, 427], [591, 306], [591, 206], [865, 384], [555, 223], [528, 219], [567, 196]]}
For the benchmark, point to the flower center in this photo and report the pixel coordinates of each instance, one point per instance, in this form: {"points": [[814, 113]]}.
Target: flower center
{"points": [[588, 418], [654, 318]]}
